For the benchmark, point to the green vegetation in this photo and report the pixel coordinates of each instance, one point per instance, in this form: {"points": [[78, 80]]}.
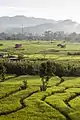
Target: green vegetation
{"points": [[28, 58], [2, 71], [59, 102], [35, 49], [46, 72], [40, 81]]}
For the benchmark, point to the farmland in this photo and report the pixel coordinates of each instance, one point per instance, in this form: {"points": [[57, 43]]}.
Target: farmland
{"points": [[60, 101], [41, 49]]}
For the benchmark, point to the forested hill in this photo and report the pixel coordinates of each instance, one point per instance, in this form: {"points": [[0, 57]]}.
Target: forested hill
{"points": [[36, 25]]}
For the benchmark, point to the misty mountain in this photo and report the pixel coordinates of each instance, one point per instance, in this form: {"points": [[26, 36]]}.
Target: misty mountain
{"points": [[36, 25], [17, 22]]}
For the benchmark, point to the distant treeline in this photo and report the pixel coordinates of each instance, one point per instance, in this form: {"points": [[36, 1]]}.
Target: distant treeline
{"points": [[47, 35], [33, 68]]}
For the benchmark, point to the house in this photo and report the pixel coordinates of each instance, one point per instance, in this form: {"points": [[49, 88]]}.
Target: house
{"points": [[13, 58]]}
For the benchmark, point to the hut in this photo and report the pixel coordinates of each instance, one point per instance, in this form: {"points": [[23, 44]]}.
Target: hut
{"points": [[18, 45], [61, 45]]}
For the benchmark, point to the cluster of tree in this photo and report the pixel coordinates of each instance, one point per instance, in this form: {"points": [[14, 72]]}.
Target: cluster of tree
{"points": [[47, 35], [45, 70], [42, 68]]}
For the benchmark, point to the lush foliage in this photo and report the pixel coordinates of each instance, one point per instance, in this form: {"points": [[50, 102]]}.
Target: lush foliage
{"points": [[33, 68]]}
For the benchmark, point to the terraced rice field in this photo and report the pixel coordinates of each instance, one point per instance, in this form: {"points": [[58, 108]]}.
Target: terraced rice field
{"points": [[61, 101]]}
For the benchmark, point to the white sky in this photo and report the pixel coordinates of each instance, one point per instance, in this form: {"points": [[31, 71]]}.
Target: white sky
{"points": [[52, 9]]}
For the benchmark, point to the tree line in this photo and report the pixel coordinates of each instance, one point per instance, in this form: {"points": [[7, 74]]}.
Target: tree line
{"points": [[45, 70], [34, 68], [47, 35]]}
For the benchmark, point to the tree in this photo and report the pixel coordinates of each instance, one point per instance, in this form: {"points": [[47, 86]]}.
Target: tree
{"points": [[48, 35], [46, 73], [2, 71], [24, 86]]}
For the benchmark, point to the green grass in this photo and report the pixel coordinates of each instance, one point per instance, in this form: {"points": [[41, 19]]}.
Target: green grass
{"points": [[75, 103], [36, 50], [61, 100], [71, 82], [58, 102]]}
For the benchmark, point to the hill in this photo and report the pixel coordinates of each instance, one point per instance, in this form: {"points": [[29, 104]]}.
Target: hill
{"points": [[36, 25]]}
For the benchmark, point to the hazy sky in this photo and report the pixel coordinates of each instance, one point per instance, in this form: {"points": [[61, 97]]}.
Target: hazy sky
{"points": [[52, 9]]}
